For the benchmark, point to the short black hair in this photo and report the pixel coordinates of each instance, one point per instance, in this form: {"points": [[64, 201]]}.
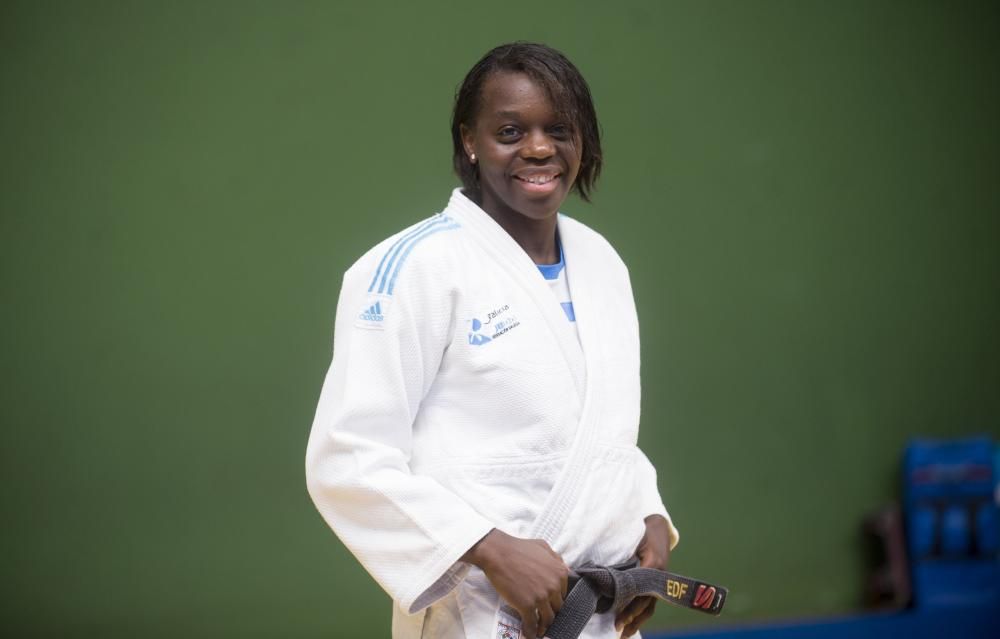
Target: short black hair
{"points": [[566, 88]]}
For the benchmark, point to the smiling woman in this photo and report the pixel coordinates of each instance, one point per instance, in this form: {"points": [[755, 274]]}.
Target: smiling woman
{"points": [[524, 113], [476, 434], [526, 154]]}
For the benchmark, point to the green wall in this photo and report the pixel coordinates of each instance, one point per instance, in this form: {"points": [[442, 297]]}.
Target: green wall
{"points": [[806, 193]]}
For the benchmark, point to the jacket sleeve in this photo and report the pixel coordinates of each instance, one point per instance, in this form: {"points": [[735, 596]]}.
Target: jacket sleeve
{"points": [[407, 530], [652, 503], [649, 493]]}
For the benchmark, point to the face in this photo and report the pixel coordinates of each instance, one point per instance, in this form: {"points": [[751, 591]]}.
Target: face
{"points": [[527, 155]]}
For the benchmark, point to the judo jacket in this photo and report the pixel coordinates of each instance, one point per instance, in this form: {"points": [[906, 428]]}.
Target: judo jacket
{"points": [[459, 401]]}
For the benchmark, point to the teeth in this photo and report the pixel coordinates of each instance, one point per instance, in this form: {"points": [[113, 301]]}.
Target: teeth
{"points": [[539, 179]]}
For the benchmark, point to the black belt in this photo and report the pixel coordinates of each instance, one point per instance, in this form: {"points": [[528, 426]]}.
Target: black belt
{"points": [[602, 588]]}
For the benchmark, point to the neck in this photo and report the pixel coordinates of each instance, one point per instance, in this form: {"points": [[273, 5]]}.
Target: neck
{"points": [[537, 237]]}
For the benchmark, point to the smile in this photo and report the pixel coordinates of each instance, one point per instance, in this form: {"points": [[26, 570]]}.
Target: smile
{"points": [[537, 179]]}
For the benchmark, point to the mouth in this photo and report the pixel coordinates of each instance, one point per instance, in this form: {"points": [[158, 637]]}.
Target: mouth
{"points": [[540, 182]]}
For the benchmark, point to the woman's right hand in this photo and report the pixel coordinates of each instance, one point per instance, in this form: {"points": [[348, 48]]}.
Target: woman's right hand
{"points": [[530, 576]]}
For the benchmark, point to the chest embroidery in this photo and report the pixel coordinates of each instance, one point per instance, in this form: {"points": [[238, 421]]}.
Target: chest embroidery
{"points": [[497, 323]]}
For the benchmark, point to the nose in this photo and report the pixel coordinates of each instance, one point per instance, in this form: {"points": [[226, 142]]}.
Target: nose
{"points": [[538, 145]]}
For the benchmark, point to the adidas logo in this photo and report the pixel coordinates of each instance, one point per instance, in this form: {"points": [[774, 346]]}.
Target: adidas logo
{"points": [[373, 313]]}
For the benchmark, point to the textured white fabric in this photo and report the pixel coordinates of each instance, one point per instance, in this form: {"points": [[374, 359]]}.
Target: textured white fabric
{"points": [[457, 402], [555, 275]]}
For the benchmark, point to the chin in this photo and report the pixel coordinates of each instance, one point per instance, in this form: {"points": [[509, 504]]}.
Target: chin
{"points": [[538, 207], [536, 210], [513, 198]]}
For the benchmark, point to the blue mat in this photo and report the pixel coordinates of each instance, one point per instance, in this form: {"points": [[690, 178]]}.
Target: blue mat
{"points": [[960, 622]]}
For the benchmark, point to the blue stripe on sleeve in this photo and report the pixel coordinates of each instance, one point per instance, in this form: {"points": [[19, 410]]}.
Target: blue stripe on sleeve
{"points": [[438, 221], [396, 244], [417, 240]]}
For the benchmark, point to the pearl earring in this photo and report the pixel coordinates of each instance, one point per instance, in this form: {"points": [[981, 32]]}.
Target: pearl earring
{"points": [[472, 158]]}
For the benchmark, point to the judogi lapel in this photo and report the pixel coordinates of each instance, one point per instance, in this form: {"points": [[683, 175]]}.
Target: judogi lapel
{"points": [[495, 241]]}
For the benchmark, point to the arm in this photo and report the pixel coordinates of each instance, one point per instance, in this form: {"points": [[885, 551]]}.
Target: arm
{"points": [[653, 551], [660, 536], [652, 503], [407, 530]]}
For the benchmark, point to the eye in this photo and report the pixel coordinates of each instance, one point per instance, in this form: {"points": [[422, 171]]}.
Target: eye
{"points": [[561, 131], [508, 133]]}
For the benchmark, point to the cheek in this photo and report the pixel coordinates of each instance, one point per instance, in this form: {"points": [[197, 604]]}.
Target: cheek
{"points": [[493, 174], [494, 166], [574, 173], [574, 157]]}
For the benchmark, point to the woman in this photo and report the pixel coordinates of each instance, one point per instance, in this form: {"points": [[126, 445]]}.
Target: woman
{"points": [[476, 433]]}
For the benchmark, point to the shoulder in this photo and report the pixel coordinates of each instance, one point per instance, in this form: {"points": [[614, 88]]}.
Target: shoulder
{"points": [[426, 249], [591, 241]]}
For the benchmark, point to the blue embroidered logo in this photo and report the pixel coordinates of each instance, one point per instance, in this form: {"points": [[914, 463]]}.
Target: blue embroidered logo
{"points": [[475, 337], [373, 313], [498, 322]]}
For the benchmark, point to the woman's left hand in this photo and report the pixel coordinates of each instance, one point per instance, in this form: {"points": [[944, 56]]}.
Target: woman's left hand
{"points": [[653, 552]]}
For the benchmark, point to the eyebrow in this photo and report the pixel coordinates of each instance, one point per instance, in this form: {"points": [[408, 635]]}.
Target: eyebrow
{"points": [[508, 114]]}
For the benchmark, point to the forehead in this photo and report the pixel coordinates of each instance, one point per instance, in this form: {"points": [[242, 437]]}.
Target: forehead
{"points": [[512, 92]]}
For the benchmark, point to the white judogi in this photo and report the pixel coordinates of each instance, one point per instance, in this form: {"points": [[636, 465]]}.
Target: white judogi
{"points": [[457, 402], [555, 275]]}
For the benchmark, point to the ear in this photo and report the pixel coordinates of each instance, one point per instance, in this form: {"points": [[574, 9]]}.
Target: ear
{"points": [[468, 139]]}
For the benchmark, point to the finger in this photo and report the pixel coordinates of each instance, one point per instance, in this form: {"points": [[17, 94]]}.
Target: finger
{"points": [[563, 589], [529, 622], [636, 623], [631, 611], [650, 559], [556, 601], [545, 617]]}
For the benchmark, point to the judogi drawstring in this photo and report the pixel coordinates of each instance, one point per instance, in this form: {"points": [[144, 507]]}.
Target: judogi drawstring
{"points": [[602, 588]]}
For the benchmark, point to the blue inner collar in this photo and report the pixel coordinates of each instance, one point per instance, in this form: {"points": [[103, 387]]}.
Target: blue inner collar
{"points": [[551, 271]]}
